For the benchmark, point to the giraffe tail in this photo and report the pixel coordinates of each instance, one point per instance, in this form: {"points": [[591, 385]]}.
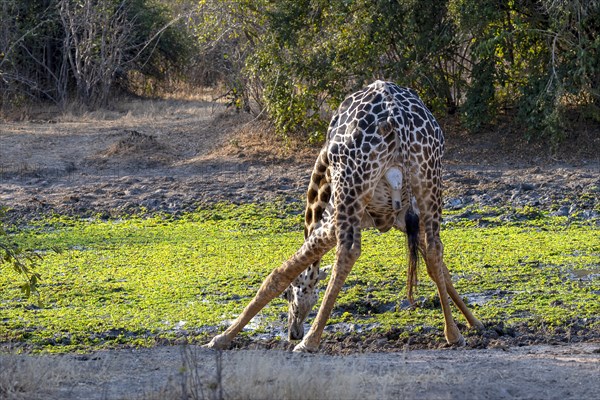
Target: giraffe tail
{"points": [[412, 236], [411, 218]]}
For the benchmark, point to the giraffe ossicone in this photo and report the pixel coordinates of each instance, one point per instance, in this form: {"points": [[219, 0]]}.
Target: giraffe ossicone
{"points": [[380, 168]]}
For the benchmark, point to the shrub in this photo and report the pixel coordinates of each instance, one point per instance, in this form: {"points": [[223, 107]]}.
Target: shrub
{"points": [[21, 261], [63, 50]]}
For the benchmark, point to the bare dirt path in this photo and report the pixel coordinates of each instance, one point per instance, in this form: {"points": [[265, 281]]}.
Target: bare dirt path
{"points": [[170, 156], [186, 157], [534, 372]]}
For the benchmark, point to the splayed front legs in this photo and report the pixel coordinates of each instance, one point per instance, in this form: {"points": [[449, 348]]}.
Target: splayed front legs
{"points": [[319, 243], [347, 254]]}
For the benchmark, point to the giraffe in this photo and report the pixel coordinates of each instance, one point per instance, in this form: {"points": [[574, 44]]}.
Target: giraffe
{"points": [[380, 168]]}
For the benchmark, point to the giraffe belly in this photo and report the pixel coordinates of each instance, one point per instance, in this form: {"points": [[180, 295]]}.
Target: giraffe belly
{"points": [[388, 204]]}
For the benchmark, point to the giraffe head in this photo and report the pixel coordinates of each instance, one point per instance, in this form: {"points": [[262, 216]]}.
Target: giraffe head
{"points": [[302, 295]]}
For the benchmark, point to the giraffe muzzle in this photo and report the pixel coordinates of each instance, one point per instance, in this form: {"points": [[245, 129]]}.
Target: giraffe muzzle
{"points": [[295, 330]]}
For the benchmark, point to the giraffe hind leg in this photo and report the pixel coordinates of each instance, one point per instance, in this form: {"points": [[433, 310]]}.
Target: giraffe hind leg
{"points": [[454, 295], [434, 262], [458, 301], [438, 271]]}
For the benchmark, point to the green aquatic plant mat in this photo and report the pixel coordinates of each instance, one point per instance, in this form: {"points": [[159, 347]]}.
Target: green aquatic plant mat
{"points": [[139, 281]]}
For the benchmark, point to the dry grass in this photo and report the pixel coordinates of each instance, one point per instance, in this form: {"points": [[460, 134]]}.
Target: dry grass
{"points": [[257, 139], [247, 136], [188, 129], [35, 377], [279, 375], [193, 373], [119, 109], [143, 110], [201, 375]]}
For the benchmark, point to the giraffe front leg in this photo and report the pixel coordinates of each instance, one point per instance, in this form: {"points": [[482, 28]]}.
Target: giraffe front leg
{"points": [[318, 243], [272, 286], [347, 254]]}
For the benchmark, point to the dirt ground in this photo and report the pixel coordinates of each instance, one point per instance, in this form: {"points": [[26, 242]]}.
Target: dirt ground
{"points": [[533, 372], [173, 156]]}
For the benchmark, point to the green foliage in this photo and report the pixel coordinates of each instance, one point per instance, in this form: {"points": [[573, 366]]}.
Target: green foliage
{"points": [[19, 260], [294, 61], [142, 281], [479, 108], [226, 34], [315, 53], [540, 57], [158, 42], [82, 50], [536, 60]]}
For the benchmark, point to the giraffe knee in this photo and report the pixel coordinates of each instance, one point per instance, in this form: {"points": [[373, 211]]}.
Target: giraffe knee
{"points": [[350, 247], [349, 240], [435, 247], [434, 258], [354, 251], [276, 283]]}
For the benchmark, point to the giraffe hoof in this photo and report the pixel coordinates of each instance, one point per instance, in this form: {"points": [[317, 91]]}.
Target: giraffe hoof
{"points": [[304, 348], [477, 325], [219, 342], [458, 341]]}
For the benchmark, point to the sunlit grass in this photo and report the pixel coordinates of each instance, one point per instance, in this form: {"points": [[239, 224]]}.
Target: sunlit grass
{"points": [[138, 281]]}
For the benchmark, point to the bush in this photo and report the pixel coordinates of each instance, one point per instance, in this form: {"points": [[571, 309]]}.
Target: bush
{"points": [[21, 261], [532, 59], [81, 50]]}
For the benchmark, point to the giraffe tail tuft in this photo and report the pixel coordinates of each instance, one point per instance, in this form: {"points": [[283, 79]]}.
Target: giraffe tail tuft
{"points": [[412, 236]]}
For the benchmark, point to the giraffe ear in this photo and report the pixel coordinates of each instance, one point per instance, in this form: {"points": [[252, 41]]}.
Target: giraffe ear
{"points": [[324, 271]]}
